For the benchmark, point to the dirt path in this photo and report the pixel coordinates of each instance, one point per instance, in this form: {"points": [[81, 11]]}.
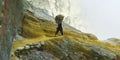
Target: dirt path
{"points": [[21, 43]]}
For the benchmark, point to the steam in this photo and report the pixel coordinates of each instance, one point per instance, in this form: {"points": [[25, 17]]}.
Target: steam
{"points": [[48, 9]]}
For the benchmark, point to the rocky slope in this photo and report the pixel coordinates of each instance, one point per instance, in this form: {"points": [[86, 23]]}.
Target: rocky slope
{"points": [[39, 43], [115, 41]]}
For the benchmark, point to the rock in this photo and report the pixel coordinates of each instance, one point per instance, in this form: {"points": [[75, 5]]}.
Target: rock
{"points": [[89, 36], [27, 47], [38, 45], [42, 43], [108, 54], [18, 37], [20, 48], [66, 48], [114, 41]]}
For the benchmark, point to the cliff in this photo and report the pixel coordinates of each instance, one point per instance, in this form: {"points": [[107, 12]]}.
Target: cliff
{"points": [[38, 43]]}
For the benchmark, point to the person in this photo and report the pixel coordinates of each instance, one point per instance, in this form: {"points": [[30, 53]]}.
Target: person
{"points": [[59, 19]]}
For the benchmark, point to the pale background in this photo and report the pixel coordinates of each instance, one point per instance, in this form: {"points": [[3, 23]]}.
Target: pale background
{"points": [[101, 17]]}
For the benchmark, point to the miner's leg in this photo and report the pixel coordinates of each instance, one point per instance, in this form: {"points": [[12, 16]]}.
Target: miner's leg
{"points": [[61, 30], [57, 31]]}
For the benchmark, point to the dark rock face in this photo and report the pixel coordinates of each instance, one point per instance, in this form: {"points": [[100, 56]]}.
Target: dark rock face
{"points": [[35, 54], [64, 48], [11, 12], [1, 10]]}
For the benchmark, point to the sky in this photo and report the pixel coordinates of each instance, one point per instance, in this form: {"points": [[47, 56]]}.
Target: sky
{"points": [[102, 17]]}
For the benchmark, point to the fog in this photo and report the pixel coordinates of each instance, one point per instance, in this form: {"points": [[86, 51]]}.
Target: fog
{"points": [[101, 17]]}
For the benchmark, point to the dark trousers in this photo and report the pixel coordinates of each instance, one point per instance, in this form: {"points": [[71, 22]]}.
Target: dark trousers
{"points": [[59, 28]]}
